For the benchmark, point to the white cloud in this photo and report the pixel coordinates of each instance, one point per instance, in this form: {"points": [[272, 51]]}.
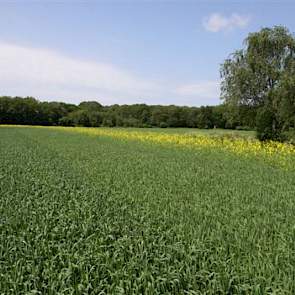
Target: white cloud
{"points": [[44, 73], [49, 75], [217, 22]]}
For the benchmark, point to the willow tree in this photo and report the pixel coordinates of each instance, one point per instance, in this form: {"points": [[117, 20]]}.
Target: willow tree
{"points": [[261, 76]]}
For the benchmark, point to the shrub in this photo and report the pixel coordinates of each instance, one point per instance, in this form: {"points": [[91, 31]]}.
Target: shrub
{"points": [[267, 126]]}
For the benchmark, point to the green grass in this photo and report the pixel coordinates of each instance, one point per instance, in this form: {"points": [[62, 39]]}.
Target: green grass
{"points": [[92, 215], [214, 132]]}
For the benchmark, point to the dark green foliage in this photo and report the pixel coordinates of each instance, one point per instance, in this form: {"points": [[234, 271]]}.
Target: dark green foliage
{"points": [[261, 77], [29, 111], [92, 106], [163, 125], [286, 101], [268, 128], [264, 123], [92, 114], [204, 118]]}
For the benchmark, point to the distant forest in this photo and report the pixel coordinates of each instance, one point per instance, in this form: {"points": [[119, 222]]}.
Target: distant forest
{"points": [[30, 111]]}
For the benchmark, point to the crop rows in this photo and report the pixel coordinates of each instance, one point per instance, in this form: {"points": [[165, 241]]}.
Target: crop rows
{"points": [[86, 214]]}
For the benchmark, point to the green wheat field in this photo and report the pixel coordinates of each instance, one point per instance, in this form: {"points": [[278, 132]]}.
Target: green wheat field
{"points": [[82, 214]]}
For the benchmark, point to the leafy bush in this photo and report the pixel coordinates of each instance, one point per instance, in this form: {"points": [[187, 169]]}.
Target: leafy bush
{"points": [[268, 128], [163, 125]]}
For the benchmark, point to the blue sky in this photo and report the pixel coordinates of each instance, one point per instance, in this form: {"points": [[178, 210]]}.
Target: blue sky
{"points": [[154, 52]]}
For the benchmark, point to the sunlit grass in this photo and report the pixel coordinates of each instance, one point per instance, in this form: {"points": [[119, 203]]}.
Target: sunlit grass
{"points": [[277, 153], [128, 212]]}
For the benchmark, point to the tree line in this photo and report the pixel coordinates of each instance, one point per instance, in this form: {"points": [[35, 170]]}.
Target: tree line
{"points": [[30, 111]]}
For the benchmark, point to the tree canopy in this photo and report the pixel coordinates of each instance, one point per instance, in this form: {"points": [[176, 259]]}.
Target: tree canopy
{"points": [[17, 110], [261, 76]]}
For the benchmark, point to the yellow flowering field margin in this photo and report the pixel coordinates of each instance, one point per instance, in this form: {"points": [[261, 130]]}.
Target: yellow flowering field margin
{"points": [[274, 152], [282, 154]]}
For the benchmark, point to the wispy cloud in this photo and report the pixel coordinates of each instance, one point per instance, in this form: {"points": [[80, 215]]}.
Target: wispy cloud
{"points": [[217, 22], [49, 75]]}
